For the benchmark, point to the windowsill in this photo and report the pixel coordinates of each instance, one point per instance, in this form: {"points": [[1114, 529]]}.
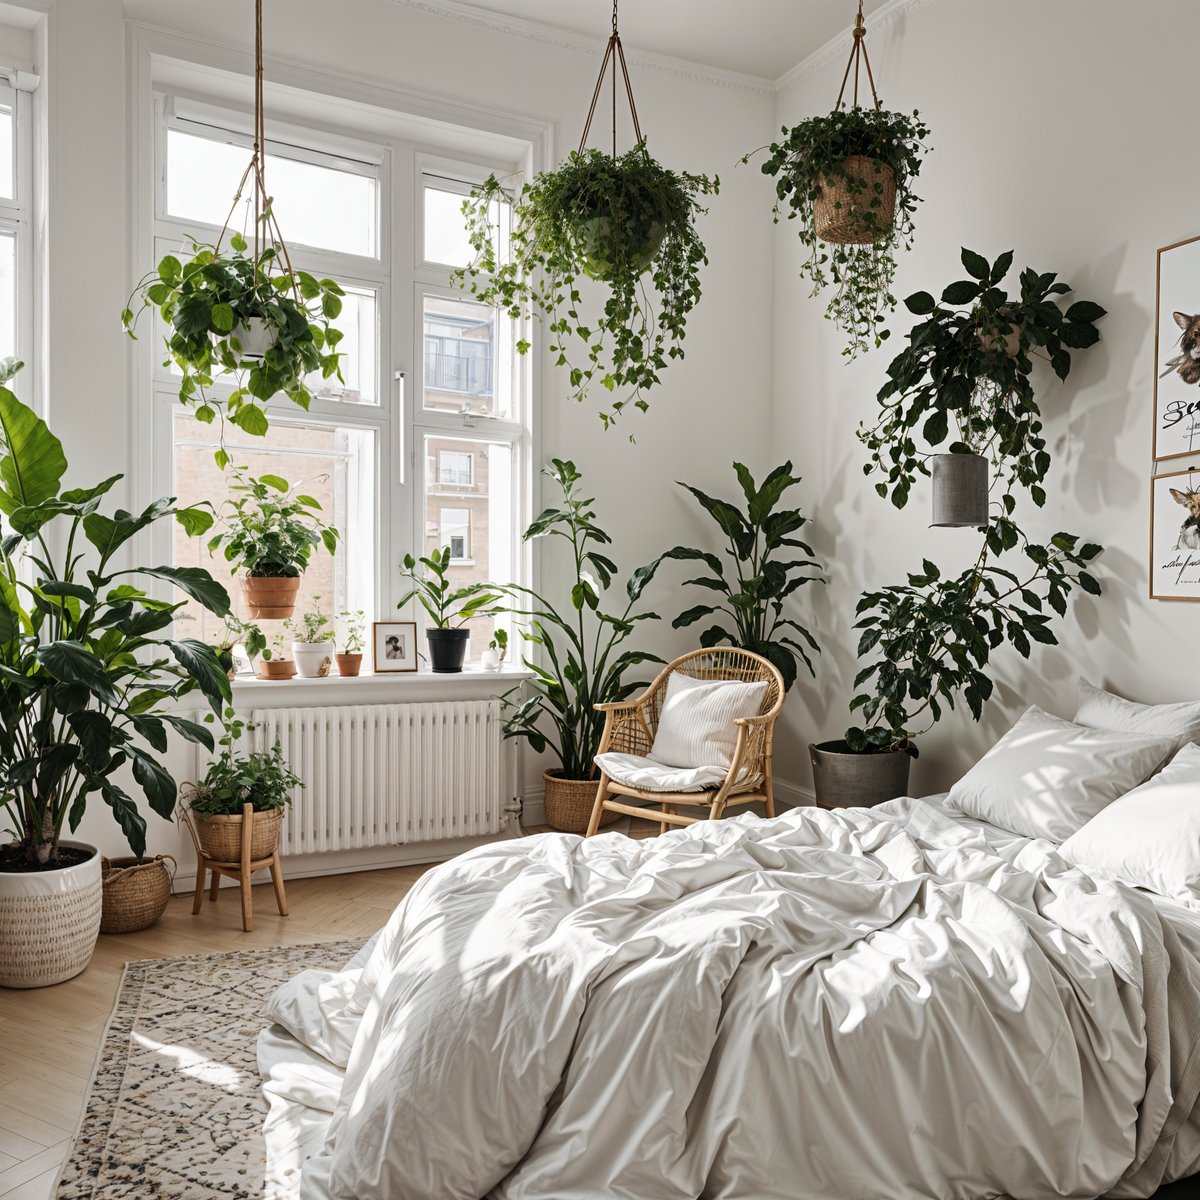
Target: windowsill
{"points": [[387, 685]]}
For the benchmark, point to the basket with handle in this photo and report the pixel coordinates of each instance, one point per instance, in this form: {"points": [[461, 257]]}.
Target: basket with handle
{"points": [[136, 891]]}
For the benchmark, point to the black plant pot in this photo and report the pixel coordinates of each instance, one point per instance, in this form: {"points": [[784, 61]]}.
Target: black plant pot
{"points": [[447, 649]]}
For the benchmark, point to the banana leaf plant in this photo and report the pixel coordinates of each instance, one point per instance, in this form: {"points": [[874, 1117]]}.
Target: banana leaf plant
{"points": [[89, 675], [760, 572], [582, 665]]}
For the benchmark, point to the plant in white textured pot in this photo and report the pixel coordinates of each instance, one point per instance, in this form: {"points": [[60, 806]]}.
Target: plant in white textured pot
{"points": [[312, 642], [89, 685]]}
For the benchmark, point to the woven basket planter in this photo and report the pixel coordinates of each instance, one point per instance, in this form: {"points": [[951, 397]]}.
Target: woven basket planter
{"points": [[136, 891], [270, 599], [569, 803], [49, 921], [856, 218], [221, 837]]}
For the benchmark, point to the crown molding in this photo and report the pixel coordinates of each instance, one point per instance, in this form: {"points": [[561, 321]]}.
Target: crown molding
{"points": [[565, 39], [839, 46]]}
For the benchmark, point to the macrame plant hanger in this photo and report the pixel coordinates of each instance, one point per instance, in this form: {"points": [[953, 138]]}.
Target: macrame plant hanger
{"points": [[614, 58], [858, 59]]}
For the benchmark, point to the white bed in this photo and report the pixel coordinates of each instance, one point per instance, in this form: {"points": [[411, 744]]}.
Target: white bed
{"points": [[898, 1002]]}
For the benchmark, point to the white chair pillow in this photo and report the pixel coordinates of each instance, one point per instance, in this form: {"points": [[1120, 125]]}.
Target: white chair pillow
{"points": [[1099, 709], [1150, 837], [1047, 777], [696, 725]]}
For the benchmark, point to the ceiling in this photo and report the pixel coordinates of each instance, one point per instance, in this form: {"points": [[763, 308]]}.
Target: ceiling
{"points": [[754, 37]]}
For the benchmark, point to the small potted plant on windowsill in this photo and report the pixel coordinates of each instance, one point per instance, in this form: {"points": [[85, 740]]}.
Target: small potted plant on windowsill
{"points": [[496, 651], [349, 658], [246, 634], [448, 610], [275, 663], [312, 642], [269, 532]]}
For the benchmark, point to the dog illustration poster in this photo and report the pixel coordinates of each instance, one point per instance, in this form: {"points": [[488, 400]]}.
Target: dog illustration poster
{"points": [[1175, 536], [1177, 351]]}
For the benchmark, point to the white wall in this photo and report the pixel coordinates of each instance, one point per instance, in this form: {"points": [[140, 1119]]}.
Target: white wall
{"points": [[1060, 130]]}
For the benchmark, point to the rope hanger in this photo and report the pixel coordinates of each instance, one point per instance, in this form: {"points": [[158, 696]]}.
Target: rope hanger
{"points": [[858, 57], [614, 56]]}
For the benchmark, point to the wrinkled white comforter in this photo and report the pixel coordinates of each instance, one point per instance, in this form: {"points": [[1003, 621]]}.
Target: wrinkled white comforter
{"points": [[863, 1003]]}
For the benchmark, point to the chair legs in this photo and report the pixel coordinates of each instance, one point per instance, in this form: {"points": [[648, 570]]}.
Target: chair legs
{"points": [[277, 880], [598, 807], [198, 899]]}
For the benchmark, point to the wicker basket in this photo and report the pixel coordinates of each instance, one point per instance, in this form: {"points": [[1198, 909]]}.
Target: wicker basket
{"points": [[136, 891], [221, 837], [838, 213], [569, 803]]}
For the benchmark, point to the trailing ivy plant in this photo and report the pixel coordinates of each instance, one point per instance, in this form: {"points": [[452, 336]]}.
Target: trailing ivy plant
{"points": [[621, 221], [934, 637], [966, 376], [759, 572], [206, 304], [814, 154]]}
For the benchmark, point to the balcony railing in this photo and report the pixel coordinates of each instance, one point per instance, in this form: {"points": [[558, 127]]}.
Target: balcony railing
{"points": [[469, 375]]}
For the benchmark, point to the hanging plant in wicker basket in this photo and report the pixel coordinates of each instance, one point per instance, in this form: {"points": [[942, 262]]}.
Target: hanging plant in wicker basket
{"points": [[847, 178], [622, 220]]}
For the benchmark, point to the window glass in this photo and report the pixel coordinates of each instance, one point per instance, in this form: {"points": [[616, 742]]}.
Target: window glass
{"points": [[8, 294], [335, 464], [464, 344], [446, 240], [358, 323], [455, 468], [315, 205], [455, 531], [8, 188]]}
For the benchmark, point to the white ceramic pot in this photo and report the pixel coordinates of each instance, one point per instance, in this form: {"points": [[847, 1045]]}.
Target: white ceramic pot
{"points": [[314, 660], [255, 336], [49, 921], [490, 660]]}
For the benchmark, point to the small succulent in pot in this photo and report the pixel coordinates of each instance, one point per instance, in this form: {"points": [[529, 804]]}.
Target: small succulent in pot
{"points": [[626, 222], [275, 662], [448, 609]]}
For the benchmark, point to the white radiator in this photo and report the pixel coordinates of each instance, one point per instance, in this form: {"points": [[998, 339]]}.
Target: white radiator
{"points": [[388, 774]]}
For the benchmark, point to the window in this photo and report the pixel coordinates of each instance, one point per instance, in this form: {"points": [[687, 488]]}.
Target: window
{"points": [[16, 245], [448, 469]]}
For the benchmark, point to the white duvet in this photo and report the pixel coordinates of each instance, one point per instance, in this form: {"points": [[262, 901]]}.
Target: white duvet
{"points": [[861, 1004]]}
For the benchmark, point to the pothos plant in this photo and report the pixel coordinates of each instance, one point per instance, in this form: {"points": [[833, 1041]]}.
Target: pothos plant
{"points": [[967, 376], [211, 304], [623, 221], [827, 153], [934, 636]]}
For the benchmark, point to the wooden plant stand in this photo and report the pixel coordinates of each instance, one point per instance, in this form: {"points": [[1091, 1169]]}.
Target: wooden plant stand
{"points": [[241, 871]]}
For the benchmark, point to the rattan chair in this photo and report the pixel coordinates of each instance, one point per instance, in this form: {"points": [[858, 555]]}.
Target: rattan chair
{"points": [[630, 726]]}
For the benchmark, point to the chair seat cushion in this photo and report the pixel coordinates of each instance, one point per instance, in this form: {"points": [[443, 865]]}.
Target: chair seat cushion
{"points": [[647, 775]]}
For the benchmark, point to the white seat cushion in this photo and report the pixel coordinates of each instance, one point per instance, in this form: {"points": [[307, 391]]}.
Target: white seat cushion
{"points": [[696, 726], [646, 775]]}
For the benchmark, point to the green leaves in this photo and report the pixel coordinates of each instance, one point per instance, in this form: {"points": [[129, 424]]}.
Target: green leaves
{"points": [[33, 462], [200, 663], [196, 583]]}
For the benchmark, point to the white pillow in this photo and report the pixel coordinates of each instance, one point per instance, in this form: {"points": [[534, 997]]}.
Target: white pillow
{"points": [[1099, 709], [696, 725], [1047, 777], [1150, 837], [650, 776]]}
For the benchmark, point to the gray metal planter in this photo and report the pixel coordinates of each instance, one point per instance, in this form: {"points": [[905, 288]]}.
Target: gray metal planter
{"points": [[843, 779], [960, 491]]}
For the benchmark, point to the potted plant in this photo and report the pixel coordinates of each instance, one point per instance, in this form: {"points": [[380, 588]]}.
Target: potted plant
{"points": [[444, 606], [933, 639], [583, 665], [312, 642], [261, 778], [762, 573], [275, 663], [496, 651], [246, 634], [967, 376], [89, 683], [847, 179], [269, 531], [349, 658], [612, 219], [251, 319]]}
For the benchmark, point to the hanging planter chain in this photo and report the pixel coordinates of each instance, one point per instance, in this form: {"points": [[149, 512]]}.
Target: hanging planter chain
{"points": [[858, 58], [614, 57]]}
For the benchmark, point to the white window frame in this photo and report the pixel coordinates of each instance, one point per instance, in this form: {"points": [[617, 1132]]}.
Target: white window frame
{"points": [[16, 220]]}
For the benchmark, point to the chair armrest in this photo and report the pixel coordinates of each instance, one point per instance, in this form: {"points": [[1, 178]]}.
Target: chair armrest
{"points": [[764, 719], [613, 706]]}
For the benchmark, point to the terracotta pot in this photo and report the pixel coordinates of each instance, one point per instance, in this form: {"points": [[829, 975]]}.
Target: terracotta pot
{"points": [[275, 668], [314, 660], [349, 664], [1011, 342], [569, 803], [856, 218], [843, 779], [269, 598], [221, 836]]}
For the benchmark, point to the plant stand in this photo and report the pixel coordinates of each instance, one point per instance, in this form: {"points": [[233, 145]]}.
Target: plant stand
{"points": [[241, 870]]}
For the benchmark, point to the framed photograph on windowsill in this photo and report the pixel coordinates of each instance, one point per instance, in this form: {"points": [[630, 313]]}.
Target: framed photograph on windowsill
{"points": [[395, 646], [1175, 536]]}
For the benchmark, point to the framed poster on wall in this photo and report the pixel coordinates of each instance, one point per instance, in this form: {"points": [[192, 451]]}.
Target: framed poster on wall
{"points": [[1175, 536], [1177, 351]]}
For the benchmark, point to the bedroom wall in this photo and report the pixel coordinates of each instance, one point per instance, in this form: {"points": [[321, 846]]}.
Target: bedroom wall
{"points": [[1060, 131]]}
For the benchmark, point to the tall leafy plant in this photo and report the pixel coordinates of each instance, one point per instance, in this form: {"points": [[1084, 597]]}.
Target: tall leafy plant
{"points": [[429, 584], [89, 674], [760, 570], [583, 665]]}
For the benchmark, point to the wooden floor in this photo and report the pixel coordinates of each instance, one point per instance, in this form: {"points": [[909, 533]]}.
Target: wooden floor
{"points": [[49, 1037]]}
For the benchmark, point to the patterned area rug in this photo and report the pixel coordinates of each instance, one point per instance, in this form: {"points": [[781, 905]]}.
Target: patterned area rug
{"points": [[176, 1108]]}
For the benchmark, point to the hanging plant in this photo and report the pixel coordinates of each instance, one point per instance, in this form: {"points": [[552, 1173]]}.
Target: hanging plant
{"points": [[243, 314], [966, 377], [620, 220], [847, 177]]}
